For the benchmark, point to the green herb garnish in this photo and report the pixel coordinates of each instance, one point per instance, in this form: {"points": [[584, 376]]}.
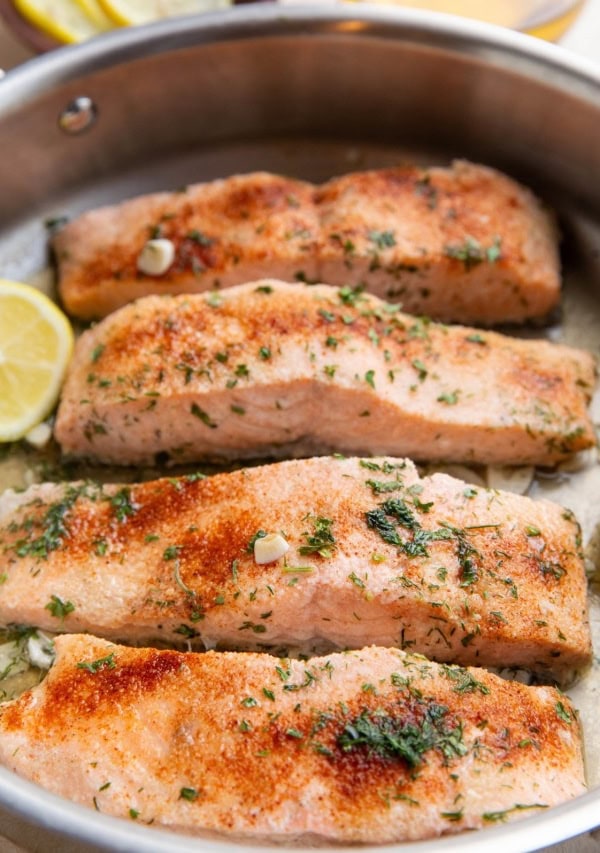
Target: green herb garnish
{"points": [[189, 794], [203, 416], [59, 608], [122, 504], [321, 541], [392, 737], [382, 239], [95, 666]]}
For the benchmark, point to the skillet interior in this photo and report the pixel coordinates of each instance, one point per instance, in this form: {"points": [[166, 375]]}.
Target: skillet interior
{"points": [[309, 93]]}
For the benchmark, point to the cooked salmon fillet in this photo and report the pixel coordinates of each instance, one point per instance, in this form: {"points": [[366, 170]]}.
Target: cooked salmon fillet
{"points": [[462, 243], [273, 369], [376, 556], [371, 746]]}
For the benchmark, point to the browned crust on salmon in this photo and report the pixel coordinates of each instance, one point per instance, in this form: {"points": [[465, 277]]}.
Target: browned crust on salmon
{"points": [[462, 243], [264, 748], [431, 565], [272, 369]]}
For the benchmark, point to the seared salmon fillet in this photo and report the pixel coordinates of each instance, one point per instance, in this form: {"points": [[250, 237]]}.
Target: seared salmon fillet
{"points": [[371, 746], [273, 369], [462, 243], [376, 556]]}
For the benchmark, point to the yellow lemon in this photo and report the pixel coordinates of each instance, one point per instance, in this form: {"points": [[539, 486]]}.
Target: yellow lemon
{"points": [[36, 342], [132, 12], [67, 21], [96, 14]]}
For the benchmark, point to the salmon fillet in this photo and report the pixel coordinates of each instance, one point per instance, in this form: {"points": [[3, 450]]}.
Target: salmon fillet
{"points": [[369, 746], [376, 556], [273, 369], [462, 243]]}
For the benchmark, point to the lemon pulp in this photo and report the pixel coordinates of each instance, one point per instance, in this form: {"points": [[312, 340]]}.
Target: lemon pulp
{"points": [[133, 12], [66, 21], [36, 342]]}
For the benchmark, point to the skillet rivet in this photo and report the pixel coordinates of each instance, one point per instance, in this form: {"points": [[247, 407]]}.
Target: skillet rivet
{"points": [[79, 115]]}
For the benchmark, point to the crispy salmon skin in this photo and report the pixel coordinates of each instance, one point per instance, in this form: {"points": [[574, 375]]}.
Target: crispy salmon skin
{"points": [[464, 243], [376, 555], [369, 746], [273, 369]]}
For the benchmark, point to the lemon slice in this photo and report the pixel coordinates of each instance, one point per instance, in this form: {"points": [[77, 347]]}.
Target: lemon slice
{"points": [[36, 341], [132, 12], [96, 14], [67, 21]]}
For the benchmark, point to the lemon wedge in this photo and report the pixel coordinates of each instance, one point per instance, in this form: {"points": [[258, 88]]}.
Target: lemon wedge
{"points": [[36, 342], [132, 12], [67, 21]]}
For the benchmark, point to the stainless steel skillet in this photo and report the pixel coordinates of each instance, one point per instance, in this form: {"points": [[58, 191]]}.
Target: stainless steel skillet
{"points": [[310, 92]]}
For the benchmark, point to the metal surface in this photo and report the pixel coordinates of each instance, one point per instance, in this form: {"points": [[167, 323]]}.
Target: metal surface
{"points": [[309, 92], [79, 115]]}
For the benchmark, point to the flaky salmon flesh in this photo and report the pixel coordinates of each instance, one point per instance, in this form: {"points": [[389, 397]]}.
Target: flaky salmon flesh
{"points": [[376, 555], [372, 746], [269, 369], [464, 243]]}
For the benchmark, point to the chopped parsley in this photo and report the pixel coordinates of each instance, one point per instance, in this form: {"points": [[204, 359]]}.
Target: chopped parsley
{"points": [[171, 552], [465, 553], [450, 398], [189, 794], [186, 631], [291, 732], [199, 238], [350, 295], [97, 352], [471, 253], [54, 528], [377, 520], [203, 416], [95, 666], [122, 504], [392, 737], [465, 681], [563, 714], [420, 368], [59, 608], [382, 239], [380, 487], [494, 817], [399, 510], [321, 541]]}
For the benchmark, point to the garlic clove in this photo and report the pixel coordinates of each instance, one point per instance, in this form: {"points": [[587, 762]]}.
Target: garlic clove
{"points": [[40, 650], [269, 548], [156, 257]]}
